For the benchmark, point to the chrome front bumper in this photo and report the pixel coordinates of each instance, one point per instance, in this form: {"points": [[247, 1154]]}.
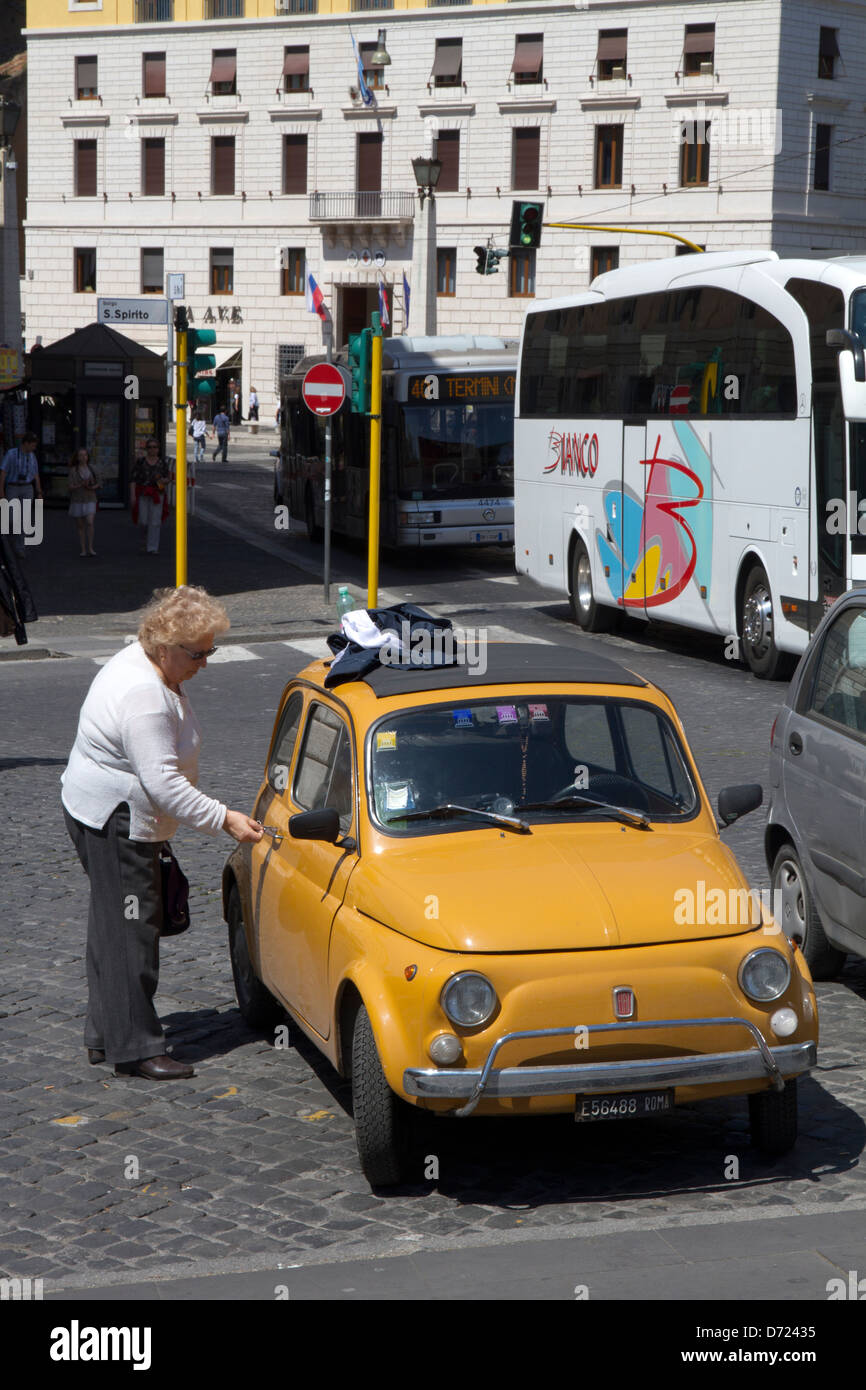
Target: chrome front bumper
{"points": [[708, 1068]]}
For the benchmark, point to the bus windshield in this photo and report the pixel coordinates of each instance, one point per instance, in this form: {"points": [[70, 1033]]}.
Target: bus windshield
{"points": [[455, 451]]}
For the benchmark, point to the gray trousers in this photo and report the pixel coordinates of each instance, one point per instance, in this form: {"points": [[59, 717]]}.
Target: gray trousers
{"points": [[122, 938]]}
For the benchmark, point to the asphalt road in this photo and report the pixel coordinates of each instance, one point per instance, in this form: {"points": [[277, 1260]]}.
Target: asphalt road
{"points": [[251, 1166]]}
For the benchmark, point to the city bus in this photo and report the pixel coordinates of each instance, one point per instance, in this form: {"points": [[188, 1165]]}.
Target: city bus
{"points": [[690, 446], [447, 447]]}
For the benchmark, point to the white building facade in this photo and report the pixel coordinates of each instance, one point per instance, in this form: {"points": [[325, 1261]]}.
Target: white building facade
{"points": [[239, 150]]}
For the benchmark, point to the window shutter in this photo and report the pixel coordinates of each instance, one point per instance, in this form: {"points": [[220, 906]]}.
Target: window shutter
{"points": [[152, 270], [369, 163], [224, 67], [85, 168], [223, 164], [829, 46], [448, 60], [85, 75], [612, 46], [153, 160], [296, 61], [526, 150], [700, 38], [154, 74], [448, 152], [294, 163], [528, 54]]}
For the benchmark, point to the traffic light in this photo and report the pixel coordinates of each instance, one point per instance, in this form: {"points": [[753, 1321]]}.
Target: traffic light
{"points": [[360, 352], [526, 225], [197, 385], [488, 260]]}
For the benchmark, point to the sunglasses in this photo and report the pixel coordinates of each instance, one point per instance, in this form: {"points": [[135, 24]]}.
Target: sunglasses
{"points": [[197, 656]]}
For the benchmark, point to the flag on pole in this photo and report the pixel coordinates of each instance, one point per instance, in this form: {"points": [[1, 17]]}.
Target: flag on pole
{"points": [[313, 296], [384, 316], [406, 297], [366, 95]]}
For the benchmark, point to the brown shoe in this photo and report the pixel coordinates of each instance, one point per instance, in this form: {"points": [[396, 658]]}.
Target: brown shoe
{"points": [[162, 1068], [95, 1055]]}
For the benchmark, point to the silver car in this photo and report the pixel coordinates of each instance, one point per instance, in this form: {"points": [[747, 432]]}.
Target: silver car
{"points": [[815, 840]]}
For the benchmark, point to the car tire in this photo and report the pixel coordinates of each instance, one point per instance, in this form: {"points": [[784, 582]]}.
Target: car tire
{"points": [[588, 614], [773, 1120], [381, 1117], [756, 628], [314, 530], [258, 1006], [800, 918]]}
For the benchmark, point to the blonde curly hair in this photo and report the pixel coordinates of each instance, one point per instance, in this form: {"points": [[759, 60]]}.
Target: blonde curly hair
{"points": [[175, 617]]}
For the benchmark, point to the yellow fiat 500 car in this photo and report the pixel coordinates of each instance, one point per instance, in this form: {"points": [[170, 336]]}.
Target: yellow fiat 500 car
{"points": [[505, 894]]}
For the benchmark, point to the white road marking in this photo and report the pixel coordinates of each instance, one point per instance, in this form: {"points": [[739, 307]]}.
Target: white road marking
{"points": [[505, 634], [314, 647], [233, 653], [503, 579]]}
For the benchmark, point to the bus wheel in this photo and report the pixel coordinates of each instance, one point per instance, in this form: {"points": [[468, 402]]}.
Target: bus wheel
{"points": [[759, 645], [314, 531], [588, 614]]}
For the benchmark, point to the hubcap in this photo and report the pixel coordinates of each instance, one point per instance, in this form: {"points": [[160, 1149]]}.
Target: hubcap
{"points": [[758, 620], [584, 584], [790, 885]]}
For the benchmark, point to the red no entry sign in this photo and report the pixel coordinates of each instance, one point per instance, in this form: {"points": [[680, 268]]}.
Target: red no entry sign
{"points": [[323, 389]]}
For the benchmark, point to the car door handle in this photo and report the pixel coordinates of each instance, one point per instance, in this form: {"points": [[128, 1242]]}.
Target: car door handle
{"points": [[795, 743], [275, 833]]}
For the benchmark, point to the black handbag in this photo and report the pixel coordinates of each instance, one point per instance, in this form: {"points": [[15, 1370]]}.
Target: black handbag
{"points": [[175, 894]]}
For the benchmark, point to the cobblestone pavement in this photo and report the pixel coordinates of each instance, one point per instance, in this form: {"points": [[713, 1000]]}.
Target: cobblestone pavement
{"points": [[107, 1179]]}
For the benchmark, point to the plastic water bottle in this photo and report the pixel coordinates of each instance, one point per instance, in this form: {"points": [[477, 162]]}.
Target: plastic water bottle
{"points": [[345, 603]]}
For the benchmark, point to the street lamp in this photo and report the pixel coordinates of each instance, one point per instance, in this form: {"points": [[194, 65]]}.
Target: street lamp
{"points": [[426, 170], [380, 57]]}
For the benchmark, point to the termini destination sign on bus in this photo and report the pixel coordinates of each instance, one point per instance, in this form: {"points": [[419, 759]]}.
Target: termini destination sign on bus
{"points": [[462, 386]]}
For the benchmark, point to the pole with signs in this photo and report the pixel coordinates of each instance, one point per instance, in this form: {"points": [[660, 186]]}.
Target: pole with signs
{"points": [[323, 391], [181, 324], [375, 461], [328, 335]]}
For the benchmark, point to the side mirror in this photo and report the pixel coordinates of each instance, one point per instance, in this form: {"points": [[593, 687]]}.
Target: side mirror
{"points": [[852, 371], [316, 825], [737, 801]]}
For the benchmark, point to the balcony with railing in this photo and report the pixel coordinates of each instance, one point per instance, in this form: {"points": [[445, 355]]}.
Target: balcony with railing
{"points": [[296, 6], [372, 4], [362, 207], [223, 9], [153, 11]]}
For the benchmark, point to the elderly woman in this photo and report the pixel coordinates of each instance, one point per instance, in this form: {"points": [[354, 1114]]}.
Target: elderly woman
{"points": [[129, 783]]}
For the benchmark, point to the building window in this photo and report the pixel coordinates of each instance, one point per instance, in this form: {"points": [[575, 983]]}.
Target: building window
{"points": [[528, 58], [695, 154], [296, 69], [828, 52], [522, 272], [603, 258], [374, 74], [292, 270], [611, 55], [222, 270], [153, 167], [446, 269], [448, 151], [153, 75], [222, 164], [823, 141], [699, 50], [288, 356], [224, 72], [525, 156], [448, 63], [152, 270], [85, 168], [152, 11], [224, 9], [86, 84], [608, 156], [85, 270], [294, 163]]}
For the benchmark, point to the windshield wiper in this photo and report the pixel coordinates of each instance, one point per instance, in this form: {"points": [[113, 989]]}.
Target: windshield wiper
{"points": [[449, 809], [586, 803]]}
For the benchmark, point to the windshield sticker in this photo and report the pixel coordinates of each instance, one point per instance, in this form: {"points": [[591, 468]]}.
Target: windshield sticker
{"points": [[462, 718], [398, 797], [538, 712], [387, 738], [506, 714]]}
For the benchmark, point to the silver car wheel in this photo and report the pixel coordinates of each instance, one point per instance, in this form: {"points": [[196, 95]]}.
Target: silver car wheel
{"points": [[758, 620], [790, 885], [584, 583]]}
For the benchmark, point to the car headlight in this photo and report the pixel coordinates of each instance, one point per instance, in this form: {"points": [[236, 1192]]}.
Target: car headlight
{"points": [[764, 975], [468, 999]]}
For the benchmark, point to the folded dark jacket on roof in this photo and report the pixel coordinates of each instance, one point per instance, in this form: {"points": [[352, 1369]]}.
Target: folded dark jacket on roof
{"points": [[409, 624]]}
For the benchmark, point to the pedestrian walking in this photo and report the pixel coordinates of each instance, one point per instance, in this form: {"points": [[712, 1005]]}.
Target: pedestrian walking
{"points": [[236, 407], [130, 781], [83, 485], [19, 478], [198, 430], [254, 404], [222, 434], [150, 478]]}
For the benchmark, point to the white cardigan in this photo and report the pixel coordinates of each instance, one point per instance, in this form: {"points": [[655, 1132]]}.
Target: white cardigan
{"points": [[137, 742]]}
